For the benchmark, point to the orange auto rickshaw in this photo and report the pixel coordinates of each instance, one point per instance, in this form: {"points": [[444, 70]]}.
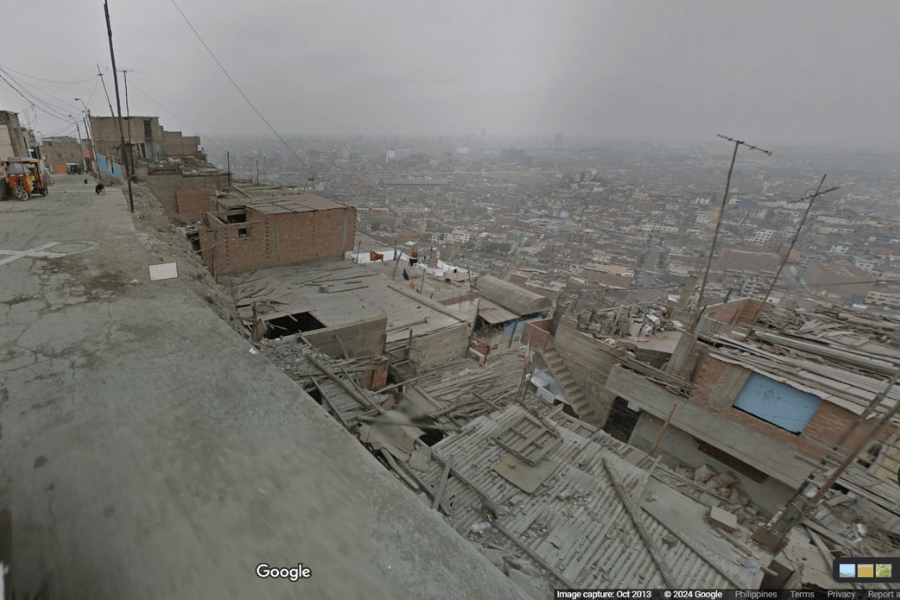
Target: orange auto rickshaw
{"points": [[22, 178]]}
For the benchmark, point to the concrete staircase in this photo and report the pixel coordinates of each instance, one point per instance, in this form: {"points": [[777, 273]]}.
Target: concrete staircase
{"points": [[571, 389]]}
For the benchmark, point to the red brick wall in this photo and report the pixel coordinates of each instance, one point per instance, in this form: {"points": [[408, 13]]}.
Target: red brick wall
{"points": [[826, 428], [193, 204], [739, 311], [283, 239], [537, 333]]}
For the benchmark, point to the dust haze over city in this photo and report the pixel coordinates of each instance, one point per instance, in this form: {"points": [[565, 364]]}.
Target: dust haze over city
{"points": [[450, 300]]}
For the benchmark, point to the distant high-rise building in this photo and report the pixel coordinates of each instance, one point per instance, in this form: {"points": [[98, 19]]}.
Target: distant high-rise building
{"points": [[558, 140]]}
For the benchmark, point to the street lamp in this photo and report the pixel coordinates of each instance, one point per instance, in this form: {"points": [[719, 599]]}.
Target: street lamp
{"points": [[92, 142], [80, 147]]}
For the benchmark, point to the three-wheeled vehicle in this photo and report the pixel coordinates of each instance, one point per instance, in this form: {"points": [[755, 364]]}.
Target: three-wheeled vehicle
{"points": [[22, 178]]}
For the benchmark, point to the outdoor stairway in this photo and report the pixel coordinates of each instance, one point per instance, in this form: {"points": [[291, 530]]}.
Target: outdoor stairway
{"points": [[571, 389]]}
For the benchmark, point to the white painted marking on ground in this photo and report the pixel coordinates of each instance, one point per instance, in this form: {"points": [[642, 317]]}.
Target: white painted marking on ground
{"points": [[33, 253], [163, 271]]}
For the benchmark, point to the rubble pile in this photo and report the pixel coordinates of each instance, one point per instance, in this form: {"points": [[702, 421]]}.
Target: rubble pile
{"points": [[636, 321]]}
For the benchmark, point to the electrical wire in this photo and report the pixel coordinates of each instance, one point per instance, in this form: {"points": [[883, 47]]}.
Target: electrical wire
{"points": [[47, 80], [28, 89], [46, 107], [188, 125], [31, 102], [237, 87]]}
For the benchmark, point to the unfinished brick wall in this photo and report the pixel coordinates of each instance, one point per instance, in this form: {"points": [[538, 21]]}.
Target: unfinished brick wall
{"points": [[271, 240], [826, 428], [165, 188], [737, 312], [194, 204], [537, 333]]}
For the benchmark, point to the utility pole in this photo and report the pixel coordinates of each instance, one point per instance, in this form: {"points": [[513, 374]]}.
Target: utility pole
{"points": [[89, 133], [787, 255], [128, 120], [228, 161], [712, 251], [112, 55], [80, 145]]}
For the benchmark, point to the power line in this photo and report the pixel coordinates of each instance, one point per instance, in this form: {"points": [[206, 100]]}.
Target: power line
{"points": [[188, 125], [297, 156], [47, 80], [29, 87], [31, 102]]}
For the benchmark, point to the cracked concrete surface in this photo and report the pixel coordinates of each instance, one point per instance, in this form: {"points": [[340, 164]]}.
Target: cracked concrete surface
{"points": [[146, 453]]}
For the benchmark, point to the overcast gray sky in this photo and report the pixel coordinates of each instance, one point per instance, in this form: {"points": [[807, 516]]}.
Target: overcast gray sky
{"points": [[768, 71]]}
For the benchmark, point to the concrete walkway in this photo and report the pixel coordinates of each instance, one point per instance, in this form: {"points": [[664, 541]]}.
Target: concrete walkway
{"points": [[147, 453]]}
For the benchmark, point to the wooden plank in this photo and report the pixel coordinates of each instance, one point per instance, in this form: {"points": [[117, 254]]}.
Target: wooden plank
{"points": [[699, 552], [403, 475], [535, 557], [327, 401], [635, 517], [440, 493]]}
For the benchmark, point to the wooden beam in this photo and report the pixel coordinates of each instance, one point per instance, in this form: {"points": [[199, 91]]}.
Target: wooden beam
{"points": [[699, 551], [325, 399], [534, 556], [440, 493], [652, 548], [415, 424], [403, 475]]}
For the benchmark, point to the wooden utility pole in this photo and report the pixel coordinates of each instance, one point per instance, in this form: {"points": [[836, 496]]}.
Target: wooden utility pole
{"points": [[787, 254], [112, 55], [712, 251]]}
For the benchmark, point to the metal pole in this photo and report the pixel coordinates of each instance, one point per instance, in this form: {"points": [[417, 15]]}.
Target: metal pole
{"points": [[112, 55], [228, 161]]}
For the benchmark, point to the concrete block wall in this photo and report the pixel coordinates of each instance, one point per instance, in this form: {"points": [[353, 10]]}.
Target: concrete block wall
{"points": [[589, 361], [192, 205], [363, 338], [438, 348], [537, 333], [716, 388], [164, 187], [677, 447]]}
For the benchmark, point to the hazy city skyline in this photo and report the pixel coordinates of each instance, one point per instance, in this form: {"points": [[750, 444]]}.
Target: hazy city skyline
{"points": [[796, 73]]}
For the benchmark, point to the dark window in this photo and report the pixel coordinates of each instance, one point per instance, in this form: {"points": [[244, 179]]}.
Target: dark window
{"points": [[291, 324], [242, 232], [236, 218], [621, 421], [148, 129], [733, 462]]}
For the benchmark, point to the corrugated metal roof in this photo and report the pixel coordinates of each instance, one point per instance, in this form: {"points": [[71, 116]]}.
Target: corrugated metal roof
{"points": [[493, 314], [571, 520], [512, 297]]}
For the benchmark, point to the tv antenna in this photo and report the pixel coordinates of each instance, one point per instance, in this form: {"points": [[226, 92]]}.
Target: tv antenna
{"points": [[712, 251]]}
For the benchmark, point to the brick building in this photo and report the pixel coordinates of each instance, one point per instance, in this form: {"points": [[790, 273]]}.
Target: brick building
{"points": [[767, 408], [62, 150], [286, 230], [148, 139]]}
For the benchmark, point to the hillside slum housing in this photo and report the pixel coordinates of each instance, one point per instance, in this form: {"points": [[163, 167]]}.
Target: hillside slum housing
{"points": [[621, 407], [780, 403]]}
